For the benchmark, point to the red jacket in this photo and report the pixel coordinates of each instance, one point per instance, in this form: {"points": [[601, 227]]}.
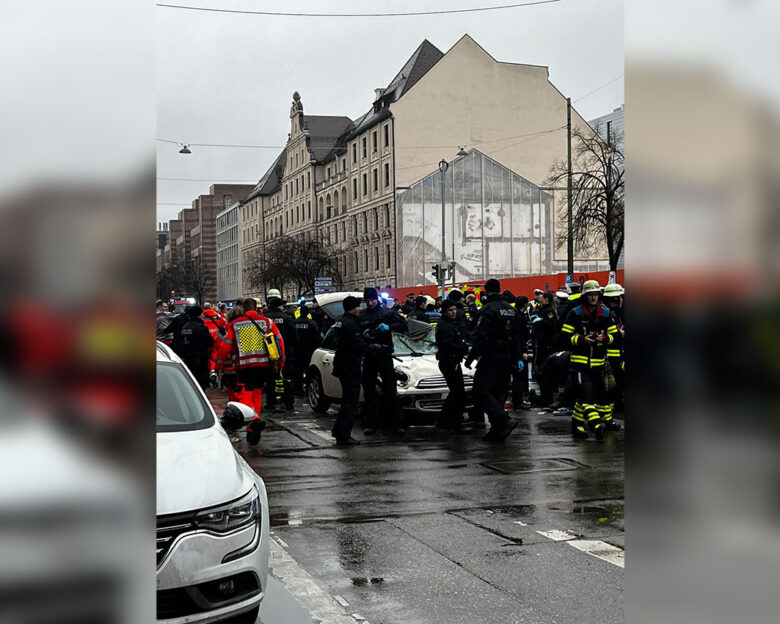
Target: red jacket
{"points": [[247, 348]]}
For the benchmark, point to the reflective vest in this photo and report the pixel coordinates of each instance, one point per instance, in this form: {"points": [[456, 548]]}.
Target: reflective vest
{"points": [[248, 348]]}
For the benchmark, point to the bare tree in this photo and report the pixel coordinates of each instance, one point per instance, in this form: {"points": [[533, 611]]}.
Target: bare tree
{"points": [[186, 277], [292, 263], [197, 280], [597, 193]]}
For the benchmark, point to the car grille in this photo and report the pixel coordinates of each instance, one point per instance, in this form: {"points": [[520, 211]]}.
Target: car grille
{"points": [[440, 382], [168, 529]]}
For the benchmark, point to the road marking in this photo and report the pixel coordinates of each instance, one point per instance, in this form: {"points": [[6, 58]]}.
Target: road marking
{"points": [[520, 523], [320, 605], [316, 430], [558, 536], [601, 550], [282, 543], [342, 601]]}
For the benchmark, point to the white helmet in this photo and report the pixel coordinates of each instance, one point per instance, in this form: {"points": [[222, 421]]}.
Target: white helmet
{"points": [[274, 292]]}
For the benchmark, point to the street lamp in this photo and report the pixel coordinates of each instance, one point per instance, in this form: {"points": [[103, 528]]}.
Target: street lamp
{"points": [[443, 166]]}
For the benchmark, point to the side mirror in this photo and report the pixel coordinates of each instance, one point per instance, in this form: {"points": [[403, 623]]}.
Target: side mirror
{"points": [[236, 415]]}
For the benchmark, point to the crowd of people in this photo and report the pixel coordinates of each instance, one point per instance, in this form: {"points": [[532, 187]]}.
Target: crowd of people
{"points": [[571, 342]]}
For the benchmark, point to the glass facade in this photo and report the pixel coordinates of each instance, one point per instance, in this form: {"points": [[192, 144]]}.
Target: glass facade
{"points": [[497, 224]]}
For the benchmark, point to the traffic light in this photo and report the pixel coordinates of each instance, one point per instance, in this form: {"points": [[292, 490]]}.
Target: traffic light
{"points": [[451, 271], [436, 268]]}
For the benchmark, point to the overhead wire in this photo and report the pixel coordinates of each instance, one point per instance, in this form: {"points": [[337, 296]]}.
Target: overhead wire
{"points": [[399, 14]]}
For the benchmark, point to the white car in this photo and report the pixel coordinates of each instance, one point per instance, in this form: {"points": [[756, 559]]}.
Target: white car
{"points": [[212, 509], [421, 386]]}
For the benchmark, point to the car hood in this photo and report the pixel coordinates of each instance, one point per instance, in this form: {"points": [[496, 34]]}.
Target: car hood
{"points": [[197, 469], [420, 366]]}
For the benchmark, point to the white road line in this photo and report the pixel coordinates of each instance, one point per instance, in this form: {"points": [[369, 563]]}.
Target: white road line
{"points": [[316, 430], [520, 523], [321, 606], [558, 536], [341, 600], [601, 550]]}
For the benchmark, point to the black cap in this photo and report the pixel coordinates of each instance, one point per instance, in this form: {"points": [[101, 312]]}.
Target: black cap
{"points": [[455, 295], [509, 297], [448, 303], [370, 293], [193, 310], [350, 303], [493, 285], [273, 302]]}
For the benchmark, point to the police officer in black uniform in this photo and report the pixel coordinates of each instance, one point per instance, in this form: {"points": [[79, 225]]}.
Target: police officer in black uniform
{"points": [[376, 324], [193, 344], [461, 320], [544, 327], [309, 339], [286, 324], [350, 348], [495, 344], [451, 349], [419, 313]]}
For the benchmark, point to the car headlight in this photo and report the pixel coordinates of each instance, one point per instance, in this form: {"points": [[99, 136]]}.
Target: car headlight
{"points": [[231, 516], [401, 377]]}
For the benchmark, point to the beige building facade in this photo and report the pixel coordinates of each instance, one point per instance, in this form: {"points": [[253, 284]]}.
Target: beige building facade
{"points": [[338, 178]]}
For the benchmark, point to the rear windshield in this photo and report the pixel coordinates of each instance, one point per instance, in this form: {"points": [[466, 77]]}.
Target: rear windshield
{"points": [[180, 404], [335, 309]]}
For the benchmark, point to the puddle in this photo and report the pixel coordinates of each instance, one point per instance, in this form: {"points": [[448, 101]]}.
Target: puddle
{"points": [[362, 581], [279, 606]]}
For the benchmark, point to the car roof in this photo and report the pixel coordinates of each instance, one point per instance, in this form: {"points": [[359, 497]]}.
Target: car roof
{"points": [[326, 298], [166, 354]]}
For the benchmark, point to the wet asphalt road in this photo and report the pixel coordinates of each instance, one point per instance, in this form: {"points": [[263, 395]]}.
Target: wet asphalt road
{"points": [[433, 529]]}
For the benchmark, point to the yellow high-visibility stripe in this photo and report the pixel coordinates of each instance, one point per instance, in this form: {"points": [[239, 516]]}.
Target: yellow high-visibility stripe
{"points": [[612, 329], [610, 339], [613, 352], [569, 329]]}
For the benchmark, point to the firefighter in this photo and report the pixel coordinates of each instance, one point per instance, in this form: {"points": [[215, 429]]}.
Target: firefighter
{"points": [[286, 325], [590, 329], [613, 297], [254, 359], [377, 324], [350, 348], [495, 343], [309, 339]]}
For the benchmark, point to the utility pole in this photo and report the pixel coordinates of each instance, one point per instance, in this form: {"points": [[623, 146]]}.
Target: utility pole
{"points": [[569, 214], [443, 165]]}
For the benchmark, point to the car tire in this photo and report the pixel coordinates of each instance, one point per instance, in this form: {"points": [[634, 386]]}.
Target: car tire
{"points": [[316, 393]]}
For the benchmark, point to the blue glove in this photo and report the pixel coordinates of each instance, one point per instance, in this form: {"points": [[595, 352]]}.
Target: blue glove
{"points": [[367, 334], [520, 365], [383, 327]]}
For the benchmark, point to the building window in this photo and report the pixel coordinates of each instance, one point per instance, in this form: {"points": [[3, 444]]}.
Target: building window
{"points": [[297, 214], [387, 252], [296, 186], [376, 219], [387, 175], [375, 187], [376, 258], [354, 188], [387, 135], [365, 184], [357, 267], [365, 147], [354, 225], [286, 219], [365, 260], [343, 164], [344, 231], [308, 210], [374, 141], [308, 179], [354, 153], [327, 175], [228, 200], [365, 222], [387, 215]]}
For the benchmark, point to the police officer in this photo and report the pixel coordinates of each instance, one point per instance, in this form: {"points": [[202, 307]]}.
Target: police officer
{"points": [[461, 320], [350, 348], [519, 374], [309, 339], [451, 349], [318, 316], [419, 313], [544, 327], [495, 344], [286, 324], [193, 344], [590, 329], [409, 304], [377, 324]]}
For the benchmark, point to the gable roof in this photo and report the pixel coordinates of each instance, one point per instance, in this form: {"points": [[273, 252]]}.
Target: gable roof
{"points": [[271, 180], [324, 134], [424, 57]]}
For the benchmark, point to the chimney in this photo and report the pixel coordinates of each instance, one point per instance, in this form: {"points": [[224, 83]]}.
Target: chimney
{"points": [[378, 93]]}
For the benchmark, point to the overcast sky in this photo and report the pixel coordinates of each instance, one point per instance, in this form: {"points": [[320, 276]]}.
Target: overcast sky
{"points": [[229, 78]]}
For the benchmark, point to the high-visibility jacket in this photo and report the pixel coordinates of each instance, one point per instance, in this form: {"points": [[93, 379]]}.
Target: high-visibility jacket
{"points": [[248, 348], [582, 321], [223, 359], [214, 323]]}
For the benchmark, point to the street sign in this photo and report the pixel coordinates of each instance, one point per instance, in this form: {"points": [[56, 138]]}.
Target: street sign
{"points": [[323, 285], [581, 279], [612, 277], [547, 286], [569, 278]]}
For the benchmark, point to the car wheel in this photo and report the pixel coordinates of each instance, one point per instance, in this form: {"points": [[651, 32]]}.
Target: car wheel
{"points": [[317, 399]]}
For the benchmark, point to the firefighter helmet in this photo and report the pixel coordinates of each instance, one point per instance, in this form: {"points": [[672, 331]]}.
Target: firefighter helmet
{"points": [[591, 286], [274, 292], [613, 290]]}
